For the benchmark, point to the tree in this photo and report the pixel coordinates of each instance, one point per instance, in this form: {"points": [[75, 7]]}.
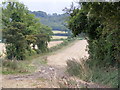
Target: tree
{"points": [[78, 22], [15, 41], [20, 30], [100, 21]]}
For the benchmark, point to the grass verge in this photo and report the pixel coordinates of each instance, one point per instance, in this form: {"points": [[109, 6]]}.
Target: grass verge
{"points": [[22, 67], [15, 67], [103, 76]]}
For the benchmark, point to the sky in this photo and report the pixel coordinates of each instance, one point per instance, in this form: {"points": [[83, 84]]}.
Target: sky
{"points": [[48, 6]]}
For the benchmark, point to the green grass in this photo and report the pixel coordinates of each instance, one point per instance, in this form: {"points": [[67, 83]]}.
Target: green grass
{"points": [[103, 76], [18, 67], [23, 67], [15, 67]]}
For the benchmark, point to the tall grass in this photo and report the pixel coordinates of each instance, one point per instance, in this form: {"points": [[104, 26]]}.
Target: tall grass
{"points": [[104, 76], [15, 67], [78, 69], [23, 67]]}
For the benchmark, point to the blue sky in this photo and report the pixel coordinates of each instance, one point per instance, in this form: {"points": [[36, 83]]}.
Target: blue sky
{"points": [[49, 6]]}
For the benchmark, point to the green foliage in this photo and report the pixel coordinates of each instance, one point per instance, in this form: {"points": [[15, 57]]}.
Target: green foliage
{"points": [[102, 29], [15, 41], [100, 22], [105, 43], [77, 22], [21, 29], [103, 76]]}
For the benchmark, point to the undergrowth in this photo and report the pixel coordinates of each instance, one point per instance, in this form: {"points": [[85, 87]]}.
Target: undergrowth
{"points": [[22, 67], [14, 67], [104, 76]]}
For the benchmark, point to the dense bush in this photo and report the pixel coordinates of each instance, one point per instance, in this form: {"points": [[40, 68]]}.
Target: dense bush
{"points": [[100, 22]]}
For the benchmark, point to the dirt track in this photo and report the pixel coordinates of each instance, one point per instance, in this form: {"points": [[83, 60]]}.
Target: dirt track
{"points": [[53, 43], [76, 51], [52, 75]]}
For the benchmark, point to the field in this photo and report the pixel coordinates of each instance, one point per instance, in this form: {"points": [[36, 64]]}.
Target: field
{"points": [[59, 34], [59, 37]]}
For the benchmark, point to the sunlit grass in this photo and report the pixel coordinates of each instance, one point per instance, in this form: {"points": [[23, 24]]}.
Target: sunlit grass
{"points": [[55, 32], [59, 37]]}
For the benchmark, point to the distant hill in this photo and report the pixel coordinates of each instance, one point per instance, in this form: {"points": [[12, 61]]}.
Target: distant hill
{"points": [[55, 21]]}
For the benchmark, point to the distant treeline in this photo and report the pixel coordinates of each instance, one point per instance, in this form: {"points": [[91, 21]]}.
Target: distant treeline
{"points": [[61, 34], [55, 21]]}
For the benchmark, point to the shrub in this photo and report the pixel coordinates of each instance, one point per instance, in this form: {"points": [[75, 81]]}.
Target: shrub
{"points": [[79, 69]]}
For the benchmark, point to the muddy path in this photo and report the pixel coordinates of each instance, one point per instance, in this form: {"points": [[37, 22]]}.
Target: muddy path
{"points": [[52, 75]]}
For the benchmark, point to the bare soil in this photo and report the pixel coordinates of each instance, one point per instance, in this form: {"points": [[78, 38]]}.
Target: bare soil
{"points": [[53, 43]]}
